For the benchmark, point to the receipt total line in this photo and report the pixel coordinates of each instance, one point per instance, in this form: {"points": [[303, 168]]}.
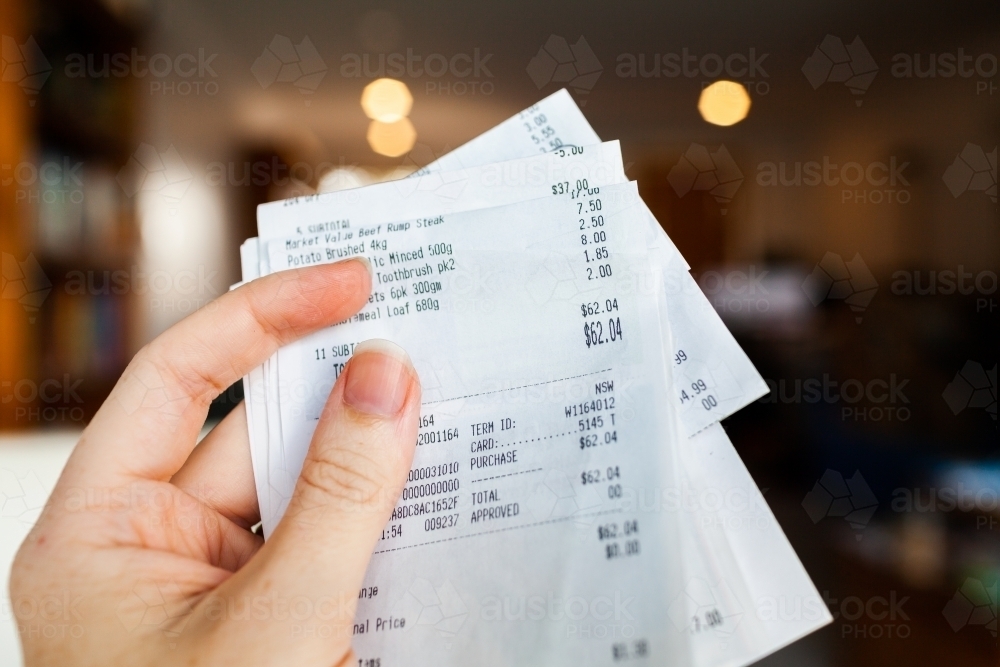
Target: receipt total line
{"points": [[502, 530]]}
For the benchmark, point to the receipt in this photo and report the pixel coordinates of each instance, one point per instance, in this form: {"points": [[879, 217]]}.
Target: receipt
{"points": [[527, 454], [717, 575], [456, 384]]}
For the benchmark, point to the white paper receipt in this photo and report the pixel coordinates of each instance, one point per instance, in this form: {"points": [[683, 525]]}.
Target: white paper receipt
{"points": [[573, 378]]}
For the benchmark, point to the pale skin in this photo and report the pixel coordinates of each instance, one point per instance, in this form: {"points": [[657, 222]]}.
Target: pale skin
{"points": [[144, 555]]}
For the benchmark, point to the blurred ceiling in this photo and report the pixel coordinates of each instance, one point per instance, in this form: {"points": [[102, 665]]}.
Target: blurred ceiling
{"points": [[511, 33]]}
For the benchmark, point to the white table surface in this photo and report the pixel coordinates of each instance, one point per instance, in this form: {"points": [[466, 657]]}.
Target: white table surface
{"points": [[29, 467]]}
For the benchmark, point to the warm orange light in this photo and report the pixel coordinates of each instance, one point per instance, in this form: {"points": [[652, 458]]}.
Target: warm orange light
{"points": [[392, 139], [724, 103], [386, 100]]}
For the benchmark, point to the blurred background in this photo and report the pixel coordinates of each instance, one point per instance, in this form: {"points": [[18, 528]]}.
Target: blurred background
{"points": [[845, 227]]}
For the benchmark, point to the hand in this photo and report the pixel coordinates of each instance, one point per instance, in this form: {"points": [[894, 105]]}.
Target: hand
{"points": [[143, 554]]}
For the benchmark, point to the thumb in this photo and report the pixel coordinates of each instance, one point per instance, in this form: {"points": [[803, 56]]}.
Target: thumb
{"points": [[351, 479], [359, 457]]}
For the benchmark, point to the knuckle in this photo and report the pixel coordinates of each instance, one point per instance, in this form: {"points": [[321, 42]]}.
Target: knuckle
{"points": [[344, 477], [164, 366]]}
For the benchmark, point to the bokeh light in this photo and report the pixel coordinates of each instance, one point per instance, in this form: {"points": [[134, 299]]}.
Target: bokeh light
{"points": [[724, 103], [386, 100], [392, 139]]}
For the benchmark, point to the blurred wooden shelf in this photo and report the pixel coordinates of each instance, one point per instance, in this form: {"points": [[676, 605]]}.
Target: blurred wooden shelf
{"points": [[76, 236]]}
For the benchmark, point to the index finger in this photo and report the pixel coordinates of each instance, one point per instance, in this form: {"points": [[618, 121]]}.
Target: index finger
{"points": [[149, 424]]}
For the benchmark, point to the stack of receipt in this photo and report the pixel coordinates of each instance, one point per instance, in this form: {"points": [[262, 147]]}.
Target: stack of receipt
{"points": [[573, 499]]}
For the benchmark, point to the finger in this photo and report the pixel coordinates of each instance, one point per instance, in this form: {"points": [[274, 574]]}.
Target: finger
{"points": [[352, 476], [219, 472], [149, 424]]}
